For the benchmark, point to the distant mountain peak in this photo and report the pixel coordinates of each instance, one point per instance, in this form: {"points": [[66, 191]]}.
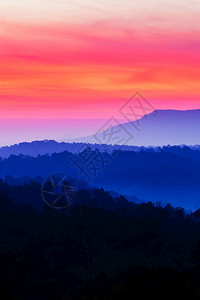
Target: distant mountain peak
{"points": [[158, 128]]}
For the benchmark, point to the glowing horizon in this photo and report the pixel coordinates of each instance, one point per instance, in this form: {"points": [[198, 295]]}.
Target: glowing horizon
{"points": [[82, 60]]}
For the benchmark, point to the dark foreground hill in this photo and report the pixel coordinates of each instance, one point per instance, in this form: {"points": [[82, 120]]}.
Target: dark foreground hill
{"points": [[93, 254]]}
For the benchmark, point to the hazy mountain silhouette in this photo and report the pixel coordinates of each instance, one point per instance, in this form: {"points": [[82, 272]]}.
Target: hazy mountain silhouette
{"points": [[168, 174], [159, 128], [162, 127], [50, 146]]}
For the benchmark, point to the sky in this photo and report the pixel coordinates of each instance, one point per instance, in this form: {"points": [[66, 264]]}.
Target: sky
{"points": [[80, 61]]}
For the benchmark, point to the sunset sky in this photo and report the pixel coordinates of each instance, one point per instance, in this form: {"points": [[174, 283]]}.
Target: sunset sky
{"points": [[81, 60]]}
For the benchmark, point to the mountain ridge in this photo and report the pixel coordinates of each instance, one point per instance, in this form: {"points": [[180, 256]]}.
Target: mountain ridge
{"points": [[158, 128], [167, 127]]}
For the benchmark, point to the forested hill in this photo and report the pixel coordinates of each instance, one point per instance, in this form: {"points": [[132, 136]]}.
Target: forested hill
{"points": [[169, 175], [136, 250]]}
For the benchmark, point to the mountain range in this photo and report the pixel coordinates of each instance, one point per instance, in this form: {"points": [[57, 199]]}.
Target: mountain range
{"points": [[159, 128]]}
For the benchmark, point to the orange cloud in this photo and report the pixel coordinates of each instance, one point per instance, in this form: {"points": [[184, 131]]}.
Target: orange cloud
{"points": [[91, 67]]}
